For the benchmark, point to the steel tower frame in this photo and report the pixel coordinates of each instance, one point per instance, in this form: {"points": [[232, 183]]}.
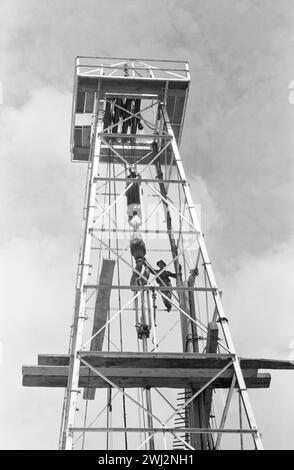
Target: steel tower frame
{"points": [[208, 362], [166, 134]]}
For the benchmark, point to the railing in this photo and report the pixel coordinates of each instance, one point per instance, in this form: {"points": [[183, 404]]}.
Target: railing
{"points": [[115, 67]]}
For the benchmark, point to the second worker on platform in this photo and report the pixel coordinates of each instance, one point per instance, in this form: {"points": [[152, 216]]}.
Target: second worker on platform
{"points": [[163, 279]]}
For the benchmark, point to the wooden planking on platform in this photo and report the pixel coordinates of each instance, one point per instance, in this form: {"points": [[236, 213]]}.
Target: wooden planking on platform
{"points": [[137, 372], [177, 360], [261, 381], [134, 359], [56, 376]]}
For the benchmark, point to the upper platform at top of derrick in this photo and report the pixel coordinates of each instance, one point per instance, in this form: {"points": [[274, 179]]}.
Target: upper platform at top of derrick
{"points": [[128, 85], [135, 74]]}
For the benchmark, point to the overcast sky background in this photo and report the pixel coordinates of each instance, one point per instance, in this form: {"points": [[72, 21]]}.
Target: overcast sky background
{"points": [[237, 147]]}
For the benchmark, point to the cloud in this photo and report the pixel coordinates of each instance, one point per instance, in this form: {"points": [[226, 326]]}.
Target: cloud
{"points": [[264, 301], [241, 63], [37, 279], [38, 182], [259, 301], [40, 230], [209, 210]]}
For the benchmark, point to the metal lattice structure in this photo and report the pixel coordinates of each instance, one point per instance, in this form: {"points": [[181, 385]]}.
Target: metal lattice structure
{"points": [[138, 376]]}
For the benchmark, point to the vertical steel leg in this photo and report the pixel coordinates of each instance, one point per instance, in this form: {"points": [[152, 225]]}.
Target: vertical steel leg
{"points": [[212, 281], [80, 310]]}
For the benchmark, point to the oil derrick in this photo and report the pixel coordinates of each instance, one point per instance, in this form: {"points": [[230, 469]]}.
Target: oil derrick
{"points": [[151, 362]]}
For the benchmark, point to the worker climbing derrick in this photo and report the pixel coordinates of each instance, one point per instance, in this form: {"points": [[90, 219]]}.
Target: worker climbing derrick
{"points": [[163, 279]]}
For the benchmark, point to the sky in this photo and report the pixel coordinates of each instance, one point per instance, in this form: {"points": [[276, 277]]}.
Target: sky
{"points": [[237, 147]]}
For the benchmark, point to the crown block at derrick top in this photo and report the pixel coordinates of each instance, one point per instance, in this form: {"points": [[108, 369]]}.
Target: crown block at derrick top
{"points": [[150, 82]]}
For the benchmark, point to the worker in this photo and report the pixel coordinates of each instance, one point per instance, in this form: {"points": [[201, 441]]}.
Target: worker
{"points": [[126, 69], [136, 119], [138, 251], [163, 279], [118, 110], [107, 115], [130, 122], [126, 116], [116, 114], [134, 200]]}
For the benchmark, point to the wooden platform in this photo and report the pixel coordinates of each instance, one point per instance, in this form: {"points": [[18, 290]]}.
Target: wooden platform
{"points": [[164, 359], [170, 370]]}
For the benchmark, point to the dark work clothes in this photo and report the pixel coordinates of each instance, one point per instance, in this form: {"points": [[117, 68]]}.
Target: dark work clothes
{"points": [[131, 122], [138, 248], [126, 115], [164, 278], [166, 302], [116, 115], [138, 251], [119, 110], [133, 192], [107, 115], [142, 278], [164, 281], [135, 120]]}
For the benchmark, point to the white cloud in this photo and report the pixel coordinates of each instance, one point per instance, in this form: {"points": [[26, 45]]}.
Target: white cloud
{"points": [[40, 231], [1, 352], [259, 301], [38, 182]]}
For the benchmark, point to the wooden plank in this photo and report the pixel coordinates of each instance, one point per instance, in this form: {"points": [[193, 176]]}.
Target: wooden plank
{"points": [[101, 311], [261, 381], [125, 359], [102, 303], [199, 409], [268, 364], [212, 337], [137, 372], [151, 360], [211, 347]]}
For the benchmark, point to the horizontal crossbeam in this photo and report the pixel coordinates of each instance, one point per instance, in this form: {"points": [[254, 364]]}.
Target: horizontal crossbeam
{"points": [[139, 180], [148, 287], [134, 136], [123, 230], [164, 430]]}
